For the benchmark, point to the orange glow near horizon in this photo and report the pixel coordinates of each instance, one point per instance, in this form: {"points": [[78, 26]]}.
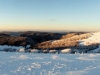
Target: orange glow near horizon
{"points": [[45, 28]]}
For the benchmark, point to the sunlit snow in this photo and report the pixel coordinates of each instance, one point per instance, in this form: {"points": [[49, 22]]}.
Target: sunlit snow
{"points": [[93, 39]]}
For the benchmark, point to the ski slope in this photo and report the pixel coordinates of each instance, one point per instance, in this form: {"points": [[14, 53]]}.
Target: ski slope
{"points": [[49, 64]]}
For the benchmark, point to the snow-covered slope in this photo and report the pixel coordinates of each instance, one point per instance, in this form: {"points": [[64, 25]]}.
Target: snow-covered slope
{"points": [[86, 43], [49, 64], [93, 39]]}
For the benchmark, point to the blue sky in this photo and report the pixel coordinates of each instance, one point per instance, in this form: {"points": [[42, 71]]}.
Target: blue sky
{"points": [[78, 15]]}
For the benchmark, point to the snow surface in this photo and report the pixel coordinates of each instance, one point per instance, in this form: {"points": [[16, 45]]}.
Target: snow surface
{"points": [[65, 51], [49, 64], [2, 47], [34, 50], [21, 50], [93, 39]]}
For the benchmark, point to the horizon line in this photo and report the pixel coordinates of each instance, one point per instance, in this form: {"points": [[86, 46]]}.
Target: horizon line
{"points": [[46, 31]]}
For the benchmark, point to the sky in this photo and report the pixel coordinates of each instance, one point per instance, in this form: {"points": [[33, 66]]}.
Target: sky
{"points": [[50, 15]]}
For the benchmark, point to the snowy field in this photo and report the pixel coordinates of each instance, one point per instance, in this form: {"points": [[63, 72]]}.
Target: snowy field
{"points": [[49, 64]]}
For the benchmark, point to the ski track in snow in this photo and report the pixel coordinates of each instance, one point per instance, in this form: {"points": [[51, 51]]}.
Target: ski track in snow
{"points": [[49, 64]]}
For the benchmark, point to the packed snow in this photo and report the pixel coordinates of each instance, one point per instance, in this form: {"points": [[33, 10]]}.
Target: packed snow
{"points": [[49, 64]]}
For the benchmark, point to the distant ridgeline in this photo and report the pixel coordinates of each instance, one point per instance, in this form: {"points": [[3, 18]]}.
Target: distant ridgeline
{"points": [[46, 42]]}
